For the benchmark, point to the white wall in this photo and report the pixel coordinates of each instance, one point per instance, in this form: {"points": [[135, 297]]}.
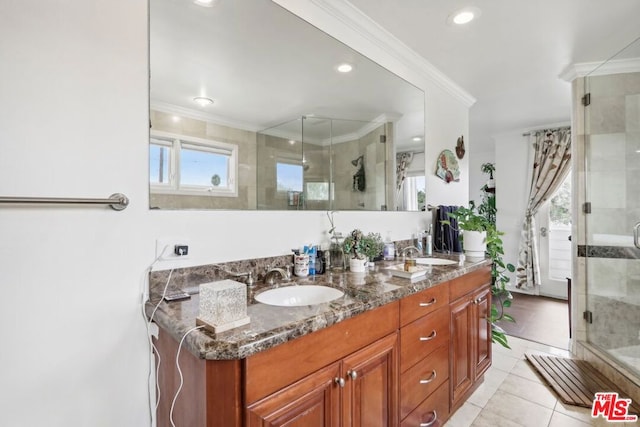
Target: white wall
{"points": [[512, 191], [74, 123], [446, 121]]}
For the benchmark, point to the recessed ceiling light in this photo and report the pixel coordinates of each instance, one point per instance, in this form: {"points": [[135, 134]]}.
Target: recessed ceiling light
{"points": [[291, 141], [464, 16], [204, 3], [416, 138], [202, 101], [175, 119], [344, 68]]}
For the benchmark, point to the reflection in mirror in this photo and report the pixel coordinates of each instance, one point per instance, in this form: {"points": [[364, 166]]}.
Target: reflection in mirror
{"points": [[324, 164], [249, 111]]}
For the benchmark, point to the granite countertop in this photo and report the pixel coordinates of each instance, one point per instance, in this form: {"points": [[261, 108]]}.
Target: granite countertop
{"points": [[273, 325]]}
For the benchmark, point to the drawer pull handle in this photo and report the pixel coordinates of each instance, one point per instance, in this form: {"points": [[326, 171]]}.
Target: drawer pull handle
{"points": [[433, 420], [353, 374], [431, 378], [427, 304], [430, 337], [339, 381]]}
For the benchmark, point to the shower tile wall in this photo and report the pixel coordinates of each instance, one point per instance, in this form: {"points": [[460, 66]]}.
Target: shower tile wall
{"points": [[610, 140]]}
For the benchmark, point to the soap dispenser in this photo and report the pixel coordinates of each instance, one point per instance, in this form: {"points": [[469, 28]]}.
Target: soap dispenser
{"points": [[389, 250], [427, 245]]}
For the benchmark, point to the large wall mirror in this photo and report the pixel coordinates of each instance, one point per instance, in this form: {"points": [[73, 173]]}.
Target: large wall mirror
{"points": [[254, 108]]}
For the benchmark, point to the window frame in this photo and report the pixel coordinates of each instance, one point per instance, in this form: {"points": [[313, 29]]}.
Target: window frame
{"points": [[177, 143]]}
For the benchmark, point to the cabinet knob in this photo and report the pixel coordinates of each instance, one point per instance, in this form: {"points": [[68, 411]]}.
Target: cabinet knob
{"points": [[339, 381], [434, 418], [430, 337], [427, 304], [353, 374], [431, 378]]}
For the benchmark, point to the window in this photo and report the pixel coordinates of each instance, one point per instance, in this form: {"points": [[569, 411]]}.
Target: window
{"points": [[289, 177], [319, 191], [195, 166]]}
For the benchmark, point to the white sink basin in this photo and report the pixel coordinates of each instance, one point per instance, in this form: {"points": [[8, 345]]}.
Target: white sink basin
{"points": [[294, 296], [434, 261]]}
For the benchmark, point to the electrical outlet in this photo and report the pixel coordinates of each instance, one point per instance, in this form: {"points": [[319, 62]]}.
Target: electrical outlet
{"points": [[166, 249]]}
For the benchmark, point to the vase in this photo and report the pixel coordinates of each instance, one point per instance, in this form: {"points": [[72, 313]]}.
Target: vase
{"points": [[357, 265], [475, 243]]}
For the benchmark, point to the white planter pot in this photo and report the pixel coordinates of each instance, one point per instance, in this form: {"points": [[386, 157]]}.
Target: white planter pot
{"points": [[357, 265], [475, 243]]}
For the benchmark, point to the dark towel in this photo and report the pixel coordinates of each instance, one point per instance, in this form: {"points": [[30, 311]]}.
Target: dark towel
{"points": [[446, 237]]}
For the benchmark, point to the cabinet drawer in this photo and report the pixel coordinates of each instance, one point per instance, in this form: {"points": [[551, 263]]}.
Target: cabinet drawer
{"points": [[423, 379], [422, 303], [273, 369], [418, 339], [469, 283], [432, 412]]}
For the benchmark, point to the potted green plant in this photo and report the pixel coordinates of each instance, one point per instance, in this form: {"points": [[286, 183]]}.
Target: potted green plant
{"points": [[361, 248], [484, 219], [489, 168], [373, 246], [474, 227]]}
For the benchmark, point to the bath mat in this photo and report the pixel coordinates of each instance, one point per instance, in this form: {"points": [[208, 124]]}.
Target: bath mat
{"points": [[575, 381]]}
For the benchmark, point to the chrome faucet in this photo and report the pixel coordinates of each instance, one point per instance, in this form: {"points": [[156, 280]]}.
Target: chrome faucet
{"points": [[409, 249], [284, 274]]}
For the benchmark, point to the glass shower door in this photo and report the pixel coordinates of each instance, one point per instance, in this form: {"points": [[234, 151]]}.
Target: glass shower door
{"points": [[612, 180]]}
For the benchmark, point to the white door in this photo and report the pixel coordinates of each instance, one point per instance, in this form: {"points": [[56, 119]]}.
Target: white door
{"points": [[554, 230]]}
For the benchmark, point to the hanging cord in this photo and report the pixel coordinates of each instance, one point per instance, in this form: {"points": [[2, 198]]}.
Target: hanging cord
{"points": [[173, 403], [152, 348]]}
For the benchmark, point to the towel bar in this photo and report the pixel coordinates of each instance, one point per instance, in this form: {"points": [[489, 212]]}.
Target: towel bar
{"points": [[117, 201]]}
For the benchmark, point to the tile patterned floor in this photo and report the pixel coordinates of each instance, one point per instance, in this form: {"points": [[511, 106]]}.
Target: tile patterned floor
{"points": [[513, 394]]}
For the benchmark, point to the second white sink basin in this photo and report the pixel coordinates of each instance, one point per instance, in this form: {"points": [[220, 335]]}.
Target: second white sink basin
{"points": [[434, 261], [295, 296]]}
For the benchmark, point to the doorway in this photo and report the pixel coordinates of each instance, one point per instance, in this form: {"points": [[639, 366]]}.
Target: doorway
{"points": [[554, 238]]}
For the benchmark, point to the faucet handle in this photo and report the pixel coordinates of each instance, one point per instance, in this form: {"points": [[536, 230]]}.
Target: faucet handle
{"points": [[250, 278]]}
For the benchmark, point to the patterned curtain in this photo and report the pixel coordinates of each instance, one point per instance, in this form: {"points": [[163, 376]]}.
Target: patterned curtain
{"points": [[551, 164], [403, 160]]}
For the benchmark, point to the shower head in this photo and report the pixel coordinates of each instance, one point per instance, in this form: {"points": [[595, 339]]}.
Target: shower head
{"points": [[356, 161]]}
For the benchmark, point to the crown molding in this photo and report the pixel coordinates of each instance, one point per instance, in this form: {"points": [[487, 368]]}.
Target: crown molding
{"points": [[613, 66], [165, 107], [352, 17]]}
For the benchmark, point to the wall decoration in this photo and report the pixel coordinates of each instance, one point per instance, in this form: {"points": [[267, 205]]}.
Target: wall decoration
{"points": [[447, 167], [460, 150]]}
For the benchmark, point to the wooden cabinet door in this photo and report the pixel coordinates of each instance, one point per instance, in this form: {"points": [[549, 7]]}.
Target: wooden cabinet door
{"points": [[371, 385], [311, 402], [482, 351], [462, 345]]}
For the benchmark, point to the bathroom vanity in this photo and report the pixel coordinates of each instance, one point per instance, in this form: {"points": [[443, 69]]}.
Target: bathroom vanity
{"points": [[389, 352]]}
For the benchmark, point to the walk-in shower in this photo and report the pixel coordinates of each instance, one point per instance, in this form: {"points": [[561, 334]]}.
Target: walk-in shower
{"points": [[611, 207]]}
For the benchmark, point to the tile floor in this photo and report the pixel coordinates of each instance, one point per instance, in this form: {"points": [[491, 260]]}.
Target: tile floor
{"points": [[514, 395]]}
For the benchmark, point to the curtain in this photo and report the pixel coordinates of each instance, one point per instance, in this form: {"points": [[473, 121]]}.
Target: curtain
{"points": [[410, 194], [551, 164], [403, 160]]}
